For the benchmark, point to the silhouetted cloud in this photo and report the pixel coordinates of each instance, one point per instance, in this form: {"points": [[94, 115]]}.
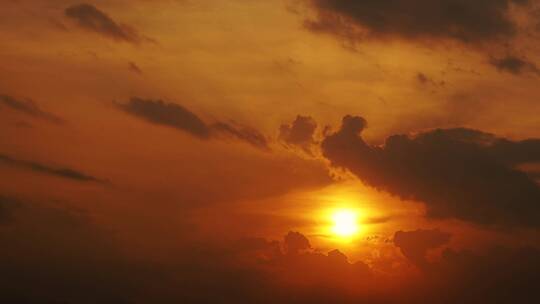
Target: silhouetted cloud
{"points": [[90, 18], [458, 173], [466, 21], [300, 133], [295, 242], [514, 65], [415, 244], [499, 275], [167, 114], [178, 117], [242, 133], [28, 107], [40, 168]]}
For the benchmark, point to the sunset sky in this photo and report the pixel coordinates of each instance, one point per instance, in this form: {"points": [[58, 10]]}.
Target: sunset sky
{"points": [[279, 151]]}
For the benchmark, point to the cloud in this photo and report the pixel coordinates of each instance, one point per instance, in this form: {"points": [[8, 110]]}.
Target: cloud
{"points": [[59, 172], [466, 21], [515, 65], [133, 67], [458, 173], [415, 244], [28, 107], [90, 18], [295, 242], [55, 255], [299, 133], [425, 80], [167, 114], [178, 117], [242, 133], [499, 275], [52, 253], [301, 268]]}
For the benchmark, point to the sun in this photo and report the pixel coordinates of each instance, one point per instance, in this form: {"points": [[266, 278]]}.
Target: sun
{"points": [[345, 223]]}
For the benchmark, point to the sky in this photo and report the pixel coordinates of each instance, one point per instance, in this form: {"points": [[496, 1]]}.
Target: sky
{"points": [[281, 151]]}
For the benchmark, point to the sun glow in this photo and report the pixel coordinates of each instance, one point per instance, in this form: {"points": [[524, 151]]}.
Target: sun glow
{"points": [[345, 223]]}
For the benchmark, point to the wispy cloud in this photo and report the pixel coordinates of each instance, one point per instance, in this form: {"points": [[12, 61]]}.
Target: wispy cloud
{"points": [[67, 173], [30, 108], [91, 18]]}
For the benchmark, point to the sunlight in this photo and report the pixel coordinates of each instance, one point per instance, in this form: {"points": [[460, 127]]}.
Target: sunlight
{"points": [[345, 223]]}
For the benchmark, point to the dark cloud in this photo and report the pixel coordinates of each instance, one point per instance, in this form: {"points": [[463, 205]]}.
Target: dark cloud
{"points": [[28, 107], [515, 65], [300, 133], [415, 244], [462, 20], [59, 172], [458, 173], [242, 133], [499, 275], [90, 18], [167, 114], [178, 117], [295, 242]]}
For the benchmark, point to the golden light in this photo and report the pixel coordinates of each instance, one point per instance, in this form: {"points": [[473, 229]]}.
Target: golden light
{"points": [[345, 223]]}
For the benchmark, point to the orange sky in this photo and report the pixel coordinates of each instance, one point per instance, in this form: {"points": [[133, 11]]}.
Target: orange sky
{"points": [[82, 129]]}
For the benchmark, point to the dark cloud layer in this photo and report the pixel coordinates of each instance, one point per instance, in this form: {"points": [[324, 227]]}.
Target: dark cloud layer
{"points": [[496, 275], [515, 65], [90, 18], [499, 275], [52, 253], [29, 108], [58, 255], [59, 172], [463, 20], [458, 173], [178, 117]]}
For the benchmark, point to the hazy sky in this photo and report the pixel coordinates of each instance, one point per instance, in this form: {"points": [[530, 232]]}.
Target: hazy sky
{"points": [[159, 151]]}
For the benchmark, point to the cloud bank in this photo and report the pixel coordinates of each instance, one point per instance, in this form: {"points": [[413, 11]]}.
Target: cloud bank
{"points": [[465, 21], [458, 173]]}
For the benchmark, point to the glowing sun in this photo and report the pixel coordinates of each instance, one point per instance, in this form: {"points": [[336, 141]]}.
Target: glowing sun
{"points": [[345, 223]]}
